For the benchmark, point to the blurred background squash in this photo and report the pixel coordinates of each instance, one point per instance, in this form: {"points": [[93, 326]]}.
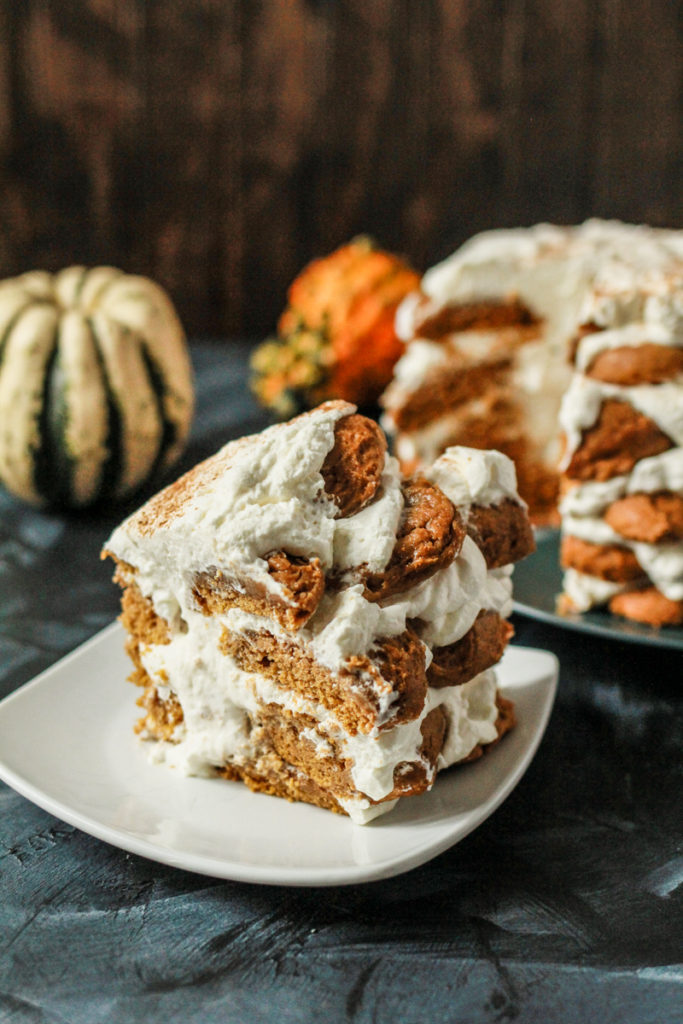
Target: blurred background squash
{"points": [[336, 338], [96, 393]]}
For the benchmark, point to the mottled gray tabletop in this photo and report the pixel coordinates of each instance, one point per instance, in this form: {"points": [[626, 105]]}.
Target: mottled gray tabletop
{"points": [[564, 906]]}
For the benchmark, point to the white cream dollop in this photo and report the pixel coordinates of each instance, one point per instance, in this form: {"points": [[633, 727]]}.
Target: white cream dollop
{"points": [[469, 476]]}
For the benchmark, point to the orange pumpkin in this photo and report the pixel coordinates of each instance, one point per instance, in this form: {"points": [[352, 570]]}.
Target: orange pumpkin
{"points": [[336, 338]]}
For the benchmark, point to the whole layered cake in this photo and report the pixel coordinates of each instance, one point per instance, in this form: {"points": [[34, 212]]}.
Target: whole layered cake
{"points": [[563, 348], [304, 617]]}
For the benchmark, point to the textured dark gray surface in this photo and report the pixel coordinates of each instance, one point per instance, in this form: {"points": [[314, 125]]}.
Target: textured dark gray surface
{"points": [[564, 906]]}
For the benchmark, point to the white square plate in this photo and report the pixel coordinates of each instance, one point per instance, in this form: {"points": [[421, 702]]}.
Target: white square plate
{"points": [[67, 744]]}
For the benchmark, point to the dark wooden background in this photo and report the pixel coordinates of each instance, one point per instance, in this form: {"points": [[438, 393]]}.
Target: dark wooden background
{"points": [[217, 145]]}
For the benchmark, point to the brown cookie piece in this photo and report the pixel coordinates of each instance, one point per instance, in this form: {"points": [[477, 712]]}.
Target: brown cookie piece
{"points": [[481, 647], [620, 437], [302, 583], [142, 625], [630, 365], [413, 777], [277, 778], [289, 734], [647, 517], [649, 606], [606, 561], [507, 719], [400, 661], [429, 537], [162, 717], [471, 316], [502, 532], [140, 620], [451, 386], [353, 468]]}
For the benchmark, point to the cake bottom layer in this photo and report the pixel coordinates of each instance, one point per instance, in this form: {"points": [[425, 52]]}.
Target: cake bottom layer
{"points": [[610, 575], [276, 777], [640, 604], [287, 761]]}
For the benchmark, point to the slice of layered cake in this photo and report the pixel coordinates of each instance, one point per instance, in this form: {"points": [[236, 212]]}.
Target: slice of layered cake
{"points": [[563, 347], [304, 618]]}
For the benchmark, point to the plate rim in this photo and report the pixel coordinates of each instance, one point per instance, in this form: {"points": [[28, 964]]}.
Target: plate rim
{"points": [[284, 875]]}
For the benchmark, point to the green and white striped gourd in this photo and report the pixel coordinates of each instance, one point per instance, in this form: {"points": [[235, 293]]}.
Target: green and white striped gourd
{"points": [[96, 391]]}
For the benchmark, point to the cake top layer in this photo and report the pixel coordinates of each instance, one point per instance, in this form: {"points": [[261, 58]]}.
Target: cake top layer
{"points": [[601, 271], [279, 464], [298, 487]]}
